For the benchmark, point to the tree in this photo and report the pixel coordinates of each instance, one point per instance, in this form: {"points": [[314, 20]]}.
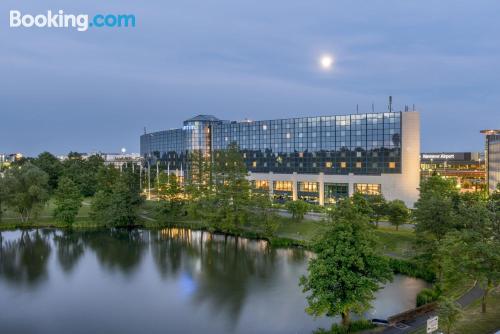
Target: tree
{"points": [[172, 196], [83, 172], [27, 189], [449, 313], [362, 204], [347, 270], [398, 213], [118, 207], [50, 165], [68, 200], [265, 217], [3, 196], [297, 209], [230, 202], [378, 207]]}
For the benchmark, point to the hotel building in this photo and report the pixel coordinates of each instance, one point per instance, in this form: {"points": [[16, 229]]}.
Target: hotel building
{"points": [[492, 157], [318, 159]]}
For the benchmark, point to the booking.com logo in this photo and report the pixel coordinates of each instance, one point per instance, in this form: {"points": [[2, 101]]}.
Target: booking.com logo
{"points": [[81, 22]]}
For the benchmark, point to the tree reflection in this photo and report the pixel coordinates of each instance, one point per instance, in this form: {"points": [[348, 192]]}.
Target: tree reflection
{"points": [[117, 249], [222, 268], [70, 248], [23, 261]]}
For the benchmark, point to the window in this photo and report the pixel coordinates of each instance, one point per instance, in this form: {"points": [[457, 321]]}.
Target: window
{"points": [[358, 154], [368, 188], [343, 164], [328, 164], [254, 164], [392, 165], [311, 187], [262, 184], [358, 164], [283, 185]]}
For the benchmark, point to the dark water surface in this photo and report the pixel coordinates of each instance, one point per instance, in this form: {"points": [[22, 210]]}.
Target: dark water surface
{"points": [[168, 281]]}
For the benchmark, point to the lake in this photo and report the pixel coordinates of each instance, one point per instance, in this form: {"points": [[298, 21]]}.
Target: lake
{"points": [[161, 281]]}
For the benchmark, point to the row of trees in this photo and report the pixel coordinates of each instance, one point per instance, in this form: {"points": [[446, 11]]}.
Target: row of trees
{"points": [[218, 192], [28, 185], [459, 234]]}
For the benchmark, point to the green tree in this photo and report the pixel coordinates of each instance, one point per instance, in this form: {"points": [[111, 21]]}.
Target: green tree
{"points": [[362, 204], [171, 193], [297, 209], [378, 207], [68, 201], [265, 218], [116, 208], [27, 190], [398, 213], [50, 165], [449, 313], [347, 270], [83, 172], [3, 196], [230, 202]]}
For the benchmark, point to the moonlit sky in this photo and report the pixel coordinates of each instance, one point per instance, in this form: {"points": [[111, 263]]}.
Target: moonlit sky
{"points": [[63, 90]]}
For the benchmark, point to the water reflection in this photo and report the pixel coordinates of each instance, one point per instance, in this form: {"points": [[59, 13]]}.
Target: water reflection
{"points": [[173, 280], [23, 261]]}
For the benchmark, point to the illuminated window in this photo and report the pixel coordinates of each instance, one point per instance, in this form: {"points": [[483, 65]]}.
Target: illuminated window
{"points": [[301, 154], [264, 127], [262, 184], [311, 187], [358, 164], [358, 154], [254, 164], [283, 185], [392, 165], [368, 188], [328, 164], [288, 135], [343, 164]]}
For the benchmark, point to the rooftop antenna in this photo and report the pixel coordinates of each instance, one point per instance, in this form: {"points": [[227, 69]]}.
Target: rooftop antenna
{"points": [[373, 107], [144, 130], [357, 108], [390, 103], [413, 106]]}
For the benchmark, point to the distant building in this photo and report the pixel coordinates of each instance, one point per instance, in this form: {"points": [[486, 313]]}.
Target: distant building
{"points": [[120, 159], [492, 155], [466, 168], [318, 159]]}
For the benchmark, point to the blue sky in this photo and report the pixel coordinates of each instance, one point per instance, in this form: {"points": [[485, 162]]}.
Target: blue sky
{"points": [[63, 90]]}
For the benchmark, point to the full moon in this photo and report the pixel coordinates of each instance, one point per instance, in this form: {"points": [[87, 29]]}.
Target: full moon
{"points": [[326, 62]]}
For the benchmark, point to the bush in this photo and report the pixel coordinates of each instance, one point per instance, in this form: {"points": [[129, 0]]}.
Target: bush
{"points": [[427, 296], [354, 326], [412, 269]]}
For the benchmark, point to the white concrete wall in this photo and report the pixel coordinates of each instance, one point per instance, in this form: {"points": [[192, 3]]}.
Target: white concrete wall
{"points": [[402, 186]]}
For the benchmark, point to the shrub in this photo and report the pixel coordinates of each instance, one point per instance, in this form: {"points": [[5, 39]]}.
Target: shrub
{"points": [[412, 269], [427, 296]]}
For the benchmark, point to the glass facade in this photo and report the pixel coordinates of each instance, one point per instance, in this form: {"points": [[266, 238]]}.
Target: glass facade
{"points": [[336, 191], [366, 144], [492, 154]]}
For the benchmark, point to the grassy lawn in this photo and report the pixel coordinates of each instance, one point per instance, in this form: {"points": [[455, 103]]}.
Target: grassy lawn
{"points": [[394, 243], [475, 322]]}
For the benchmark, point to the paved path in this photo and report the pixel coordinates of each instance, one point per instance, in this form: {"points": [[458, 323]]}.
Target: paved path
{"points": [[421, 321]]}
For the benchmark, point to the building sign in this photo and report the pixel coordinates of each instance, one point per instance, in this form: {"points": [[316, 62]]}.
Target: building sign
{"points": [[432, 324], [462, 156], [438, 156], [189, 127]]}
